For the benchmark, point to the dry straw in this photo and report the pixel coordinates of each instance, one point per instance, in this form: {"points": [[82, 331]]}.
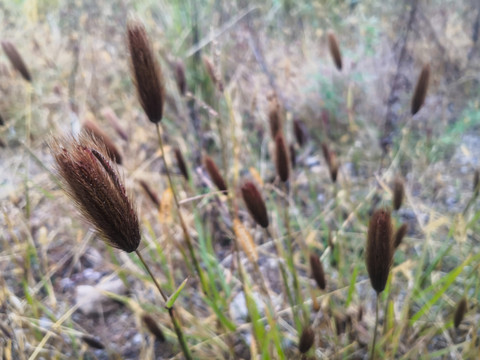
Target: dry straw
{"points": [[94, 185], [421, 89], [335, 50], [460, 312], [306, 340], [399, 235], [214, 173], [255, 204], [112, 151], [182, 166], [317, 271], [16, 60], [379, 249], [146, 72], [281, 158], [398, 193]]}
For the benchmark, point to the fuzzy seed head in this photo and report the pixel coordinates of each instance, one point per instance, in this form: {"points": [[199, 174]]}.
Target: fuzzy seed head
{"points": [[333, 167], [398, 193], [254, 203], [95, 131], [317, 271], [95, 187], [16, 60], [399, 235], [293, 156], [281, 158], [299, 131], [421, 89], [150, 193], [153, 327], [335, 50], [275, 118], [214, 173], [92, 342], [476, 183], [306, 340], [182, 166], [460, 312], [146, 72], [379, 249], [180, 77]]}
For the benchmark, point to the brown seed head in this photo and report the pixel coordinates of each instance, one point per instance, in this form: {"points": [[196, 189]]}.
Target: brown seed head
{"points": [[299, 131], [460, 312], [182, 166], [293, 156], [333, 166], [399, 235], [317, 271], [153, 327], [335, 50], [214, 173], [306, 340], [421, 89], [152, 195], [281, 157], [95, 187], [95, 131], [114, 121], [476, 183], [326, 154], [16, 60], [212, 73], [379, 249], [398, 193], [254, 203], [275, 118], [146, 72], [92, 342], [180, 77]]}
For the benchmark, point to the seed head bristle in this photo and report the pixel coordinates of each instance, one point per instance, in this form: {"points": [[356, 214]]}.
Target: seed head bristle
{"points": [[153, 327], [16, 60], [146, 72], [152, 195], [95, 131], [306, 340], [180, 78], [281, 158], [254, 203], [182, 166], [95, 187], [317, 271], [398, 193], [460, 312], [214, 173], [421, 89], [92, 342], [400, 234], [335, 50], [379, 249]]}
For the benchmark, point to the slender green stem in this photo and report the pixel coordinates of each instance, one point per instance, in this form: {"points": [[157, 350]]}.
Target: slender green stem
{"points": [[171, 311], [372, 354], [188, 238]]}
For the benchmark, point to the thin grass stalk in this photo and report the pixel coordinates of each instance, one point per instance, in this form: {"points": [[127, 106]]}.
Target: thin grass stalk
{"points": [[372, 354], [188, 238], [176, 324]]}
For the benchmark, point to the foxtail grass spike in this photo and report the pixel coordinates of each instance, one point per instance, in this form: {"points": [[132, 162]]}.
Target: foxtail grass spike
{"points": [[214, 173], [460, 312], [476, 183], [398, 193], [335, 50], [333, 167], [92, 342], [326, 154], [112, 151], [153, 327], [182, 166], [306, 340], [212, 73], [146, 72], [317, 271], [95, 187], [400, 234], [274, 116], [16, 60], [255, 204], [150, 193], [180, 77], [379, 249], [281, 158], [299, 131], [293, 156], [421, 89]]}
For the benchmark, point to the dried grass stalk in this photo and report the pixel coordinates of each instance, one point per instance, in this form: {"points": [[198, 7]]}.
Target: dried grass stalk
{"points": [[95, 187], [379, 249], [16, 60], [146, 72], [421, 89], [255, 204]]}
